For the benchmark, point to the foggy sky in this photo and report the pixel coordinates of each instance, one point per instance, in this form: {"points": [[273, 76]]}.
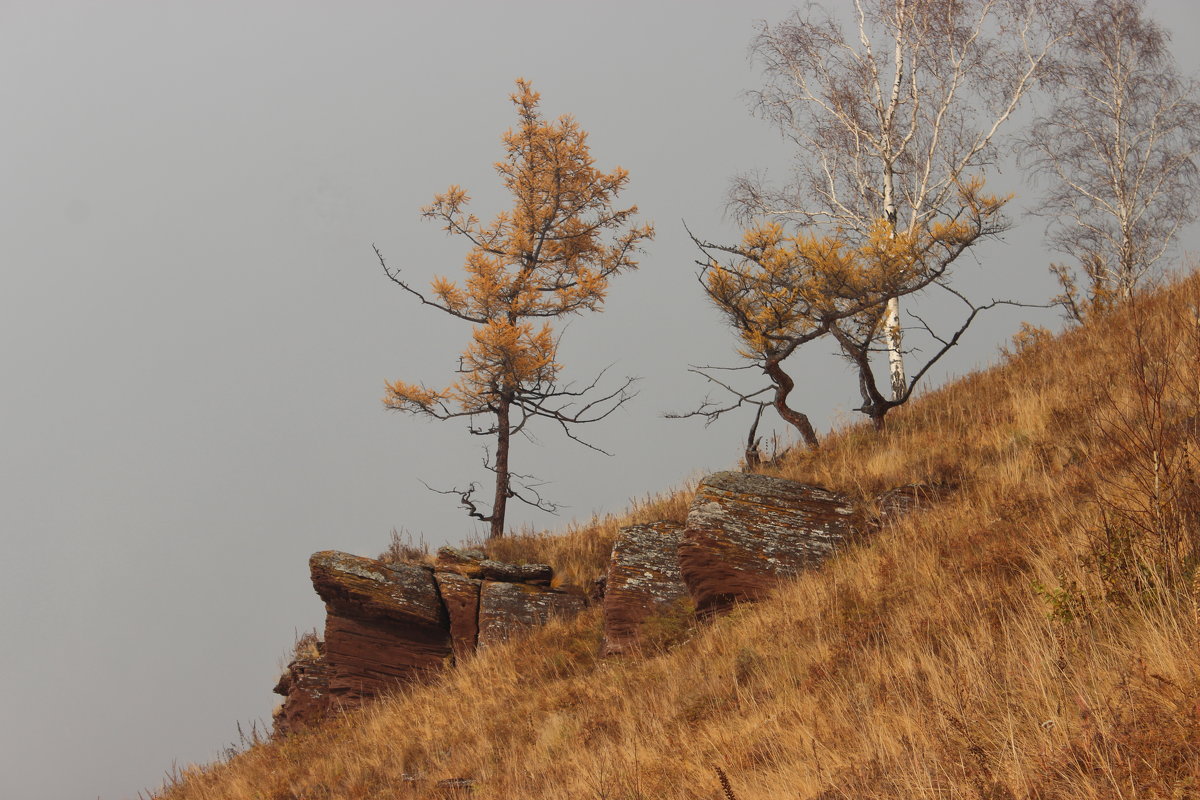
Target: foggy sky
{"points": [[195, 333]]}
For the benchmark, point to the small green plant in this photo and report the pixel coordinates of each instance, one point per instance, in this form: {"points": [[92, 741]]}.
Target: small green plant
{"points": [[1067, 601]]}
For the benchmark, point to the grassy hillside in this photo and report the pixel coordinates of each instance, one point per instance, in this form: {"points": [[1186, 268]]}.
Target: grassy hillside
{"points": [[1034, 634]]}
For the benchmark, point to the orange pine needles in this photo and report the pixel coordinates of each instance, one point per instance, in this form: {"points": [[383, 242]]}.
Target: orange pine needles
{"points": [[783, 288], [551, 255], [781, 292]]}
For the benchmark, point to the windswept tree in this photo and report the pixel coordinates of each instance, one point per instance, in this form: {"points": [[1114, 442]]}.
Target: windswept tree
{"points": [[1120, 146], [550, 256], [782, 291], [890, 112]]}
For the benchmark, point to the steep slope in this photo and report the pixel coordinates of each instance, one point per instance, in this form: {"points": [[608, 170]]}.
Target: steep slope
{"points": [[1035, 632]]}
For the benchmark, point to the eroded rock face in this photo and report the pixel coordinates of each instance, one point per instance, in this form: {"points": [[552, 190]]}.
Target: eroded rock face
{"points": [[460, 595], [392, 623], [746, 532], [385, 623], [506, 608], [643, 580], [305, 687]]}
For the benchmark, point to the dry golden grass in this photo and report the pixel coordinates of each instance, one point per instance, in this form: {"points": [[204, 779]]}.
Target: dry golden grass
{"points": [[1022, 638], [580, 553]]}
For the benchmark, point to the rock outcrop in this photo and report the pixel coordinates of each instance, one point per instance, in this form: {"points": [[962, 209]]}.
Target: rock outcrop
{"points": [[392, 623], [305, 685], [460, 595], [385, 623], [506, 608], [388, 624], [643, 580], [745, 532]]}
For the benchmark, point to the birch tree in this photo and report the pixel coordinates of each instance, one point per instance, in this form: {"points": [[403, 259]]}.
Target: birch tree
{"points": [[890, 113], [1120, 145], [550, 256], [781, 292]]}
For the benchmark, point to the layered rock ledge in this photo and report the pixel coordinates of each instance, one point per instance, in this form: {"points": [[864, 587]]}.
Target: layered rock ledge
{"points": [[392, 623], [746, 532], [388, 624], [385, 623]]}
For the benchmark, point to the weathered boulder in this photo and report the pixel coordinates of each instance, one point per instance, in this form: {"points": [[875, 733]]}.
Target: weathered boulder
{"points": [[505, 608], [305, 689], [643, 580], [389, 623], [460, 595], [385, 623], [472, 564], [745, 532]]}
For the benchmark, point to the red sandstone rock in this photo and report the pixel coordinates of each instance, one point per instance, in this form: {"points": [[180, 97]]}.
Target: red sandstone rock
{"points": [[460, 595], [540, 574], [305, 688], [471, 564], [745, 532], [461, 562], [505, 608], [643, 580], [385, 623]]}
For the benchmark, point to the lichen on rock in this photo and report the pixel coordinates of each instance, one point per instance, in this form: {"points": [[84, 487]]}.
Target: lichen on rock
{"points": [[745, 532]]}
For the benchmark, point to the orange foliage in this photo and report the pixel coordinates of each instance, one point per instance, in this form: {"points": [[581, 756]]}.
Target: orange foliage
{"points": [[545, 258], [550, 255], [785, 288]]}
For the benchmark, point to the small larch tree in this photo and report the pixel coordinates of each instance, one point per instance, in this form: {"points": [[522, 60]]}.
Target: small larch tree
{"points": [[550, 256]]}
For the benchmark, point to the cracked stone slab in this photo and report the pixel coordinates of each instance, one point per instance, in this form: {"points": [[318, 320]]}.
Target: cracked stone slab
{"points": [[643, 580], [747, 532]]}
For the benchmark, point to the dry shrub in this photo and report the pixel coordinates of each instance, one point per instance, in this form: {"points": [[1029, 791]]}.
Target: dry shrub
{"points": [[404, 548]]}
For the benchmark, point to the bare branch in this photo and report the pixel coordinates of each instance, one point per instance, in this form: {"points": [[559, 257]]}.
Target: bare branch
{"points": [[711, 410], [394, 276], [464, 499]]}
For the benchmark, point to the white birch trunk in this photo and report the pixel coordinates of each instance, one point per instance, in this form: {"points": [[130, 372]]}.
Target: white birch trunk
{"points": [[892, 332], [895, 354]]}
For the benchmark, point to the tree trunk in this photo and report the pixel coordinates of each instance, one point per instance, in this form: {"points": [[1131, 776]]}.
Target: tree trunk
{"points": [[895, 354], [1128, 276], [892, 332], [783, 387], [752, 455], [503, 436]]}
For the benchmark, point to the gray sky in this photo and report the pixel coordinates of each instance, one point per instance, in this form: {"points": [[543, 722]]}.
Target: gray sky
{"points": [[194, 332]]}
